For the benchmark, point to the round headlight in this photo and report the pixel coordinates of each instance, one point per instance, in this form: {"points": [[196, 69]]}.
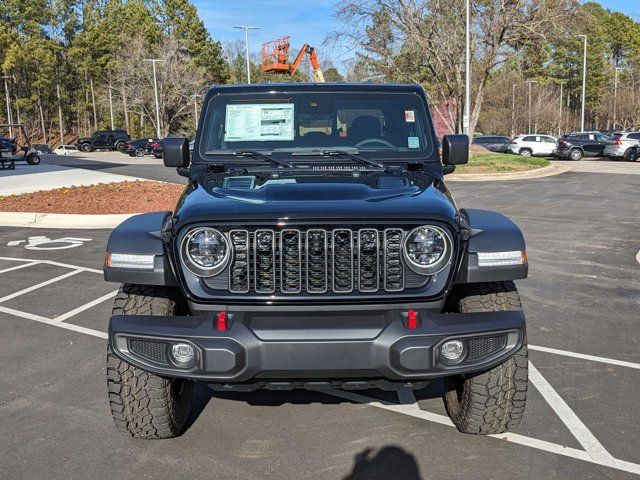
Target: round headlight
{"points": [[205, 251], [427, 250]]}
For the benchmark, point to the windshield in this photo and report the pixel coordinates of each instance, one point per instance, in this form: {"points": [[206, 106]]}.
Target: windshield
{"points": [[375, 125]]}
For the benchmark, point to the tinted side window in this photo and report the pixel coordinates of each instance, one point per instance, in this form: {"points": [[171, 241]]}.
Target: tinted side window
{"points": [[530, 138], [634, 136]]}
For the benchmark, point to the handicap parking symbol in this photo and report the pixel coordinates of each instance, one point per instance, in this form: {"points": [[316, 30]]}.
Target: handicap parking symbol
{"points": [[45, 243]]}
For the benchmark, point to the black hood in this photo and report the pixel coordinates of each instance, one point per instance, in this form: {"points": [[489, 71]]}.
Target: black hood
{"points": [[323, 198]]}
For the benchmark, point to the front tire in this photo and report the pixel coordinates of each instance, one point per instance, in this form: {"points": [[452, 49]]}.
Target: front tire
{"points": [[139, 152], [492, 401], [86, 147], [120, 147], [144, 405]]}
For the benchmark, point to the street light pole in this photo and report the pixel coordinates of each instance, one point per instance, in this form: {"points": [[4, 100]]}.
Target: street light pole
{"points": [[111, 107], [584, 81], [530, 82], [195, 108], [467, 87], [246, 29], [155, 91], [560, 114], [513, 110], [6, 92], [615, 96]]}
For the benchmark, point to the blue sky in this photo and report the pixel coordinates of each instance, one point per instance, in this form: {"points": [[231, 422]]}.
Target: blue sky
{"points": [[304, 20]]}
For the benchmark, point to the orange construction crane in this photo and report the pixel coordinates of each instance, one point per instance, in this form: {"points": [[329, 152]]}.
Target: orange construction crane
{"points": [[275, 58]]}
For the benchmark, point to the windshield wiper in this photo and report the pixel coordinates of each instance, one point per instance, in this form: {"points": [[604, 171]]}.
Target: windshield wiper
{"points": [[342, 153], [251, 154]]}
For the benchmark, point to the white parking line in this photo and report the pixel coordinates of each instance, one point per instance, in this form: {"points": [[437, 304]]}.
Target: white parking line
{"points": [[582, 356], [39, 285], [86, 306], [51, 262], [578, 429], [18, 267], [55, 323]]}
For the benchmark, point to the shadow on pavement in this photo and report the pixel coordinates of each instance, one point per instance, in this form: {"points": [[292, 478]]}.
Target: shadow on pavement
{"points": [[388, 463]]}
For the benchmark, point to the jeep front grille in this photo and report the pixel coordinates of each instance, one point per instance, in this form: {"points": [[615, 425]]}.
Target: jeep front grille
{"points": [[317, 261]]}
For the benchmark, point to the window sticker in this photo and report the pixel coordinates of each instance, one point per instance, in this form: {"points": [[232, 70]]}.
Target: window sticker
{"points": [[414, 142], [409, 116], [259, 122]]}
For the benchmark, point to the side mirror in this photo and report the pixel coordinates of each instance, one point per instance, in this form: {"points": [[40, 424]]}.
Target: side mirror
{"points": [[175, 152], [455, 149]]}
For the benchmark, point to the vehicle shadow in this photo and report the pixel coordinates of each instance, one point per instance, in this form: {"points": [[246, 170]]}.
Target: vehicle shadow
{"points": [[202, 395], [389, 463]]}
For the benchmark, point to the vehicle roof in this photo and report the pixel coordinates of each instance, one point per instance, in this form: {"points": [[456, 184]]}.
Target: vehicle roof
{"points": [[484, 135], [306, 87]]}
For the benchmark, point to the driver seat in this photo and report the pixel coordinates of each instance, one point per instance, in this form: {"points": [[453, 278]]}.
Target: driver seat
{"points": [[365, 127]]}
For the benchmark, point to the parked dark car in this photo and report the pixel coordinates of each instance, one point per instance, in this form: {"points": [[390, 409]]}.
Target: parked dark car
{"points": [[142, 146], [104, 140], [8, 145], [576, 145], [42, 148], [495, 143], [316, 246]]}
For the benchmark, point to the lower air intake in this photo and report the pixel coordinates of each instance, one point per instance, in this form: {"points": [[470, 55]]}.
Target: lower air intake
{"points": [[153, 350]]}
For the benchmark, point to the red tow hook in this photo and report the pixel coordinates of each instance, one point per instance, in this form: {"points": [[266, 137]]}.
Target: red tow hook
{"points": [[221, 323], [412, 320]]}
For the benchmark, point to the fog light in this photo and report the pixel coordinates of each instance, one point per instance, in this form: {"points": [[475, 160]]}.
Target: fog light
{"points": [[452, 351], [183, 353]]}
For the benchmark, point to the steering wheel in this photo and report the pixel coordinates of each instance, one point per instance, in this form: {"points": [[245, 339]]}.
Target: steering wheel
{"points": [[374, 140]]}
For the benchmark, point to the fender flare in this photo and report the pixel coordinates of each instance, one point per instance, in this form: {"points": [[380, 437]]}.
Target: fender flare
{"points": [[490, 232], [141, 235]]}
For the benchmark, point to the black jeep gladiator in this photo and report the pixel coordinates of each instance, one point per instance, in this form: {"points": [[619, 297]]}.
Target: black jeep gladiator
{"points": [[104, 140], [316, 246]]}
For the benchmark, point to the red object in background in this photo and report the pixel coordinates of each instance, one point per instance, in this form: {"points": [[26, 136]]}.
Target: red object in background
{"points": [[221, 324], [412, 320]]}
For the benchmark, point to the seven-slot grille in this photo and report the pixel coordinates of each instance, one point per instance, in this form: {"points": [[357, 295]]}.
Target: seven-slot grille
{"points": [[316, 260]]}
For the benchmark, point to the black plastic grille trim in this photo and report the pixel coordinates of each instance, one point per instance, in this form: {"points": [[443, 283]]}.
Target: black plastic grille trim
{"points": [[264, 253], [154, 350], [239, 269], [482, 347], [393, 266]]}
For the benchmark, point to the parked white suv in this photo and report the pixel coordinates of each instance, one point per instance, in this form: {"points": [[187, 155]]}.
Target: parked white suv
{"points": [[620, 145], [528, 145]]}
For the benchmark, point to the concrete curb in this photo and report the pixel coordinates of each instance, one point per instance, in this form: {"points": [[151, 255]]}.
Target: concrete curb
{"points": [[61, 220], [554, 169]]}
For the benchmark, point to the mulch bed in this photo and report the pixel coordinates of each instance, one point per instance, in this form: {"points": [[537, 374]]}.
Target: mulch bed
{"points": [[103, 198]]}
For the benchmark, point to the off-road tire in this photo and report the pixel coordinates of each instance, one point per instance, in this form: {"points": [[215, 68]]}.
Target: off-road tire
{"points": [[492, 401], [86, 147], [119, 146], [144, 405]]}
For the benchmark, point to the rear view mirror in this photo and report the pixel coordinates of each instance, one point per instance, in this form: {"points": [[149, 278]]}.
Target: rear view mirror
{"points": [[455, 149], [175, 152]]}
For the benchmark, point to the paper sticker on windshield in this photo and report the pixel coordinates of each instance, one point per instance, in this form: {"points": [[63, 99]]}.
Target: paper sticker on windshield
{"points": [[414, 142], [259, 122], [409, 116]]}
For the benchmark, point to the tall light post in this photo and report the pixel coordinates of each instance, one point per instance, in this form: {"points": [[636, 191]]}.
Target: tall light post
{"points": [[560, 113], [615, 96], [155, 91], [513, 110], [530, 82], [195, 108], [584, 81], [246, 29], [467, 81], [6, 92], [111, 106]]}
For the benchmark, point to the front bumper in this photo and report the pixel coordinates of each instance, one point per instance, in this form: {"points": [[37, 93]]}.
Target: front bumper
{"points": [[614, 150], [265, 346]]}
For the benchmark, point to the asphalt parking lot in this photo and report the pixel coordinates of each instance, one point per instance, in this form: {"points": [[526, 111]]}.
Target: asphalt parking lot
{"points": [[582, 302]]}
